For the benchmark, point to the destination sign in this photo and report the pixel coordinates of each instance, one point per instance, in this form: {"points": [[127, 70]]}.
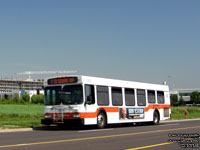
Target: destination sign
{"points": [[62, 80]]}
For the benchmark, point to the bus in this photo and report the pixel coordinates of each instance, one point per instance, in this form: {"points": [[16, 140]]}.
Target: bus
{"points": [[86, 100]]}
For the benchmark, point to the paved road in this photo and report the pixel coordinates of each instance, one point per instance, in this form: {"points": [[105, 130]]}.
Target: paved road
{"points": [[112, 138]]}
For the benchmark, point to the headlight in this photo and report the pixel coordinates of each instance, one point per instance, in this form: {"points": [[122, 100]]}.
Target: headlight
{"points": [[76, 115], [47, 116]]}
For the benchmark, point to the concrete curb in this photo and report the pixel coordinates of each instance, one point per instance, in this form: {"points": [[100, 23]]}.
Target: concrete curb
{"points": [[180, 120], [15, 130]]}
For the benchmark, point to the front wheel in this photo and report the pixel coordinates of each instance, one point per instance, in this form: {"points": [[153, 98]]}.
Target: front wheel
{"points": [[101, 120]]}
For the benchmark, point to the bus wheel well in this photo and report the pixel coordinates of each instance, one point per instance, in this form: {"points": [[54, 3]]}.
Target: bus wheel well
{"points": [[102, 111], [156, 110], [156, 117]]}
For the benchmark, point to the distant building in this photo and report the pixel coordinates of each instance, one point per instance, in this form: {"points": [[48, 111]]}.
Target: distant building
{"points": [[9, 87], [184, 93]]}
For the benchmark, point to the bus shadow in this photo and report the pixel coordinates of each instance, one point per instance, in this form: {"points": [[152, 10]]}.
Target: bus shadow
{"points": [[63, 128], [89, 127]]}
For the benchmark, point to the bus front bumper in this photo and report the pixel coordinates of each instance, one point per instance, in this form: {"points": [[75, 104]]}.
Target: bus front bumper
{"points": [[79, 121]]}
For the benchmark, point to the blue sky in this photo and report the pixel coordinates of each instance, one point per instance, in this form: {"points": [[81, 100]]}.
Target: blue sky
{"points": [[139, 40]]}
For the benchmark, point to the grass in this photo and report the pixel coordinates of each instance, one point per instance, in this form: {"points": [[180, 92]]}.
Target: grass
{"points": [[30, 109], [179, 112], [20, 116]]}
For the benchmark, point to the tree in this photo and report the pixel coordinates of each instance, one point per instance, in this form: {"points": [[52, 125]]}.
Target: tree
{"points": [[182, 102], [174, 100], [37, 99], [16, 98], [26, 97], [195, 97]]}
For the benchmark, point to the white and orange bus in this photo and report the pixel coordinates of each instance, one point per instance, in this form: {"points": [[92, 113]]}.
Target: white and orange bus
{"points": [[99, 101]]}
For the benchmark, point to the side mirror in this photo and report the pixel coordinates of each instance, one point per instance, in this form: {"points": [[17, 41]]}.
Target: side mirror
{"points": [[89, 100]]}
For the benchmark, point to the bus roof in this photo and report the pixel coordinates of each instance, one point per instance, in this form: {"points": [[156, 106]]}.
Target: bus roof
{"points": [[118, 83]]}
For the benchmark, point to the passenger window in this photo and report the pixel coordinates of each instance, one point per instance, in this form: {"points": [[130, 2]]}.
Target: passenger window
{"points": [[160, 97], [89, 94], [102, 96], [117, 96], [129, 97], [141, 99], [151, 96]]}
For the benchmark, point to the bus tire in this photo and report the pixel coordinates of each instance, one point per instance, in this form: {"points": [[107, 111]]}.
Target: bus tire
{"points": [[156, 118], [101, 120]]}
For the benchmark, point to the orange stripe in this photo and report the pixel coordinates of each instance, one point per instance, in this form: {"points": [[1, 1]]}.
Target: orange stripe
{"points": [[84, 114], [89, 115], [107, 109], [94, 114], [157, 106]]}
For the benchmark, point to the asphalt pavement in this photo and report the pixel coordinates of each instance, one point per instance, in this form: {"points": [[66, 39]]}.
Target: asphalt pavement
{"points": [[167, 135]]}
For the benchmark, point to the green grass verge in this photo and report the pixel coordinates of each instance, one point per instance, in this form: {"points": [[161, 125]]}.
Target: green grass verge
{"points": [[20, 116], [179, 112]]}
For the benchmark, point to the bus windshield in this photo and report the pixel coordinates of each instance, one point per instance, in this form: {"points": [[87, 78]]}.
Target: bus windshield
{"points": [[69, 95], [72, 94]]}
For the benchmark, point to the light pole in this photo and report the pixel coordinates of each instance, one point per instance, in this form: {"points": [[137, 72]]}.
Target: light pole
{"points": [[171, 84]]}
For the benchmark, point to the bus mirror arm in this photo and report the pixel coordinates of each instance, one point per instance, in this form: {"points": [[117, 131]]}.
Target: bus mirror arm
{"points": [[89, 100]]}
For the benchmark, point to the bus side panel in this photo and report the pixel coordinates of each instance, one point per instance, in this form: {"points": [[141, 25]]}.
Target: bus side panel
{"points": [[167, 111], [164, 114], [90, 121], [161, 112], [148, 116], [112, 117]]}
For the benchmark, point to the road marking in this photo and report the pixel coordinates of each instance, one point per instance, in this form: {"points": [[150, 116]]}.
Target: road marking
{"points": [[150, 146], [169, 124], [95, 130], [98, 137]]}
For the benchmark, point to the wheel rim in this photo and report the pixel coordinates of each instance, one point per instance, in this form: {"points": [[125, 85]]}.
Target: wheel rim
{"points": [[101, 120], [156, 119]]}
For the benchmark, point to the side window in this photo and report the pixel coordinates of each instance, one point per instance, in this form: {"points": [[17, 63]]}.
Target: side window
{"points": [[151, 96], [129, 97], [89, 94], [160, 97], [141, 99], [102, 96], [117, 96]]}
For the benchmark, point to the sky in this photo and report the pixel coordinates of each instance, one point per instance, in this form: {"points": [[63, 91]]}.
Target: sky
{"points": [[139, 40]]}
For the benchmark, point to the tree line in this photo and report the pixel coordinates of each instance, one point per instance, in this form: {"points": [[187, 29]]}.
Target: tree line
{"points": [[24, 99], [179, 101]]}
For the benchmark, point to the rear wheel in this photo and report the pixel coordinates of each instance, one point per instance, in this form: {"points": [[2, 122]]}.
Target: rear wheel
{"points": [[156, 118], [101, 120]]}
